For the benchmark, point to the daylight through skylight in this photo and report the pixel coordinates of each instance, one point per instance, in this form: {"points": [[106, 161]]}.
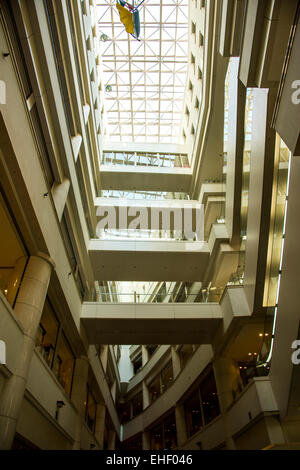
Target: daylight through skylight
{"points": [[144, 80]]}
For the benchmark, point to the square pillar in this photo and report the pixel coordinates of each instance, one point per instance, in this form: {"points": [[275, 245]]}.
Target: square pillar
{"points": [[176, 363], [100, 424], [79, 391], [227, 376], [180, 424], [146, 395], [111, 439], [146, 440]]}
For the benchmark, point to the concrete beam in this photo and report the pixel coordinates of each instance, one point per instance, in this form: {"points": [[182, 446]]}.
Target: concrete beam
{"points": [[148, 209], [145, 178], [144, 260], [178, 323]]}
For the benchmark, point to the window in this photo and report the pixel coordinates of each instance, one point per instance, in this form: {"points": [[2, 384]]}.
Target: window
{"points": [[137, 404], [134, 443], [137, 364], [124, 412], [163, 436], [12, 254], [90, 409], [193, 28], [161, 382], [193, 413], [54, 347], [167, 376], [151, 349], [210, 402], [154, 389], [64, 363], [47, 334], [202, 405]]}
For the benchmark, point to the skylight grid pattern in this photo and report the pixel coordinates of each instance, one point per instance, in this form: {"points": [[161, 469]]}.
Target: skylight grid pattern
{"points": [[146, 78]]}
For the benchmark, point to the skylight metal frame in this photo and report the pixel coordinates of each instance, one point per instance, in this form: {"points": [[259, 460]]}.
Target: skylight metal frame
{"points": [[148, 78]]}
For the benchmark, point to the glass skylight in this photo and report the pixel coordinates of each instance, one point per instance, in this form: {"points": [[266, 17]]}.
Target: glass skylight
{"points": [[144, 80]]}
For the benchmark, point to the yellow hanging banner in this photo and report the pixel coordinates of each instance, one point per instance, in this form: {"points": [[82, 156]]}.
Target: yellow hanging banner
{"points": [[127, 18]]}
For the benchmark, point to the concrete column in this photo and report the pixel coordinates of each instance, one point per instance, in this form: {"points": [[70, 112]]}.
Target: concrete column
{"points": [[146, 395], [235, 144], [28, 309], [175, 362], [79, 395], [275, 430], [146, 440], [227, 378], [259, 195], [111, 439], [180, 424], [100, 424], [145, 355]]}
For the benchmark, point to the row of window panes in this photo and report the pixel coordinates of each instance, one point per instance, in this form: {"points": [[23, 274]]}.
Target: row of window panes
{"points": [[52, 344], [202, 406], [164, 436], [90, 409], [161, 382]]}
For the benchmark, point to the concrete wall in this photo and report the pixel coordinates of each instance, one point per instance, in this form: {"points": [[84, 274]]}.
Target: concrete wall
{"points": [[184, 380]]}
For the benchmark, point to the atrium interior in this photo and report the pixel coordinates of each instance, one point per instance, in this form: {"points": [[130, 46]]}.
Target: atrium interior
{"points": [[149, 214]]}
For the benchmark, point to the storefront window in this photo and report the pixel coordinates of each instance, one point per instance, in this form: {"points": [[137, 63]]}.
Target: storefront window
{"points": [[202, 406], [137, 404], [90, 410], [64, 364], [161, 382], [163, 436], [13, 256], [167, 377], [47, 334], [209, 398], [193, 413], [154, 389]]}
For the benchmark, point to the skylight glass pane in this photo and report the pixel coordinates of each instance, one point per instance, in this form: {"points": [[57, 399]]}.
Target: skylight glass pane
{"points": [[147, 75]]}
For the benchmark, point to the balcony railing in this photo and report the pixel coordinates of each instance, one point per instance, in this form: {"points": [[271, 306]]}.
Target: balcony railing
{"points": [[145, 159], [204, 296]]}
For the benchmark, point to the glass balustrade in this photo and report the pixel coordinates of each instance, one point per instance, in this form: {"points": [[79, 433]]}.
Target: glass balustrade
{"points": [[161, 160]]}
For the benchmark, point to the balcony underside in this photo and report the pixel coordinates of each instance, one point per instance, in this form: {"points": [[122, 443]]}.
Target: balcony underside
{"points": [[145, 178], [121, 323], [137, 260]]}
